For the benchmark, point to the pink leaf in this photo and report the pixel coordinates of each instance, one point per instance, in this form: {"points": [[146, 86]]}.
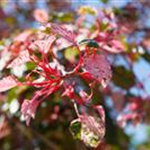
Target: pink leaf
{"points": [[99, 67], [115, 46], [123, 119], [28, 109], [23, 57], [112, 49], [41, 15], [8, 83], [118, 98], [118, 45], [23, 36], [101, 112], [4, 127], [44, 45], [84, 95], [64, 32]]}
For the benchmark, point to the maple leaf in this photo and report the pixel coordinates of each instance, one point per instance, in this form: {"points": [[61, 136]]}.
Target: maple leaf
{"points": [[8, 83]]}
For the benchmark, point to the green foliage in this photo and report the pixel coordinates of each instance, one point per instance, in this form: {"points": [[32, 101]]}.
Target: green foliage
{"points": [[75, 128], [105, 1], [123, 78]]}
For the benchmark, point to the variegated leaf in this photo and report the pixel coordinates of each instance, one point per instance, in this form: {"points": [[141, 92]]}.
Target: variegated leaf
{"points": [[8, 83], [23, 57], [44, 45], [99, 67], [28, 109], [64, 32]]}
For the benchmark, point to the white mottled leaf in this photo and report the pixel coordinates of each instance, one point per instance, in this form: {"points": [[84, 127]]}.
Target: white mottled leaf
{"points": [[45, 44], [23, 57], [8, 83], [28, 109], [64, 32]]}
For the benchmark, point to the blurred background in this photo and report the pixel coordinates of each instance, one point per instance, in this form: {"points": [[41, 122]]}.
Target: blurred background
{"points": [[128, 92]]}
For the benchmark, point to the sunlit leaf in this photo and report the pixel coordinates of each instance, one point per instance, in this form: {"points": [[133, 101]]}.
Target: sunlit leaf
{"points": [[87, 10], [8, 83], [64, 32], [23, 57], [45, 44], [71, 54]]}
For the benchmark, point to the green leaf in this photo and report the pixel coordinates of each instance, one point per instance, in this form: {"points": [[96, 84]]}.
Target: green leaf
{"points": [[104, 1], [62, 17], [71, 54], [90, 43], [146, 56], [84, 10], [30, 65], [123, 78], [75, 128]]}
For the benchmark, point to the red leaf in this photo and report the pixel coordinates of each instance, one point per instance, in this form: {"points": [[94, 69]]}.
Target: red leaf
{"points": [[86, 76], [8, 83], [23, 57], [99, 67]]}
